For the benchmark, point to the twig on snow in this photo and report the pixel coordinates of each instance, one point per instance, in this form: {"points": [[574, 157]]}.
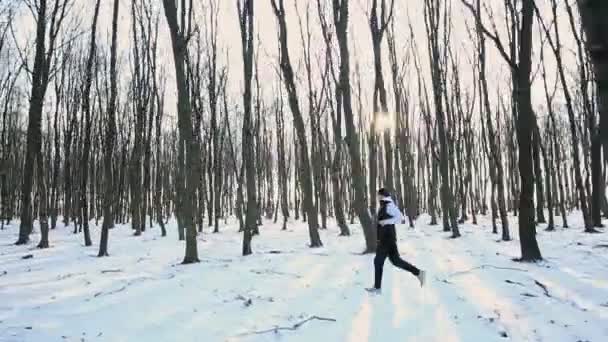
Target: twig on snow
{"points": [[111, 271], [216, 260], [247, 302], [269, 271], [99, 294], [69, 275], [123, 288], [443, 280], [526, 294], [543, 287], [486, 266], [514, 282], [3, 273], [276, 251], [294, 327]]}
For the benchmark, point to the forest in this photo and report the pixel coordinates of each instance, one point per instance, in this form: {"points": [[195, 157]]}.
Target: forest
{"points": [[194, 120]]}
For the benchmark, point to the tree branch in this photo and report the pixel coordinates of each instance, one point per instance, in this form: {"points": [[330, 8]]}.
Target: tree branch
{"points": [[493, 37], [294, 327]]}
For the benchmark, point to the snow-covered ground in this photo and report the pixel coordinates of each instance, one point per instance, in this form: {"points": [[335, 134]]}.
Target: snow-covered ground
{"points": [[474, 291]]}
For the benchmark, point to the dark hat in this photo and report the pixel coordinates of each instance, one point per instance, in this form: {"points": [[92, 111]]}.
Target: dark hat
{"points": [[384, 193]]}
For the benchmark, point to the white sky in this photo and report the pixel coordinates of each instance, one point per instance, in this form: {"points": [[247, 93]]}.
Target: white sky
{"points": [[359, 34]]}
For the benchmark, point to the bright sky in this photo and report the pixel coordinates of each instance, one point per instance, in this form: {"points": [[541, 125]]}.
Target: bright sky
{"points": [[405, 12]]}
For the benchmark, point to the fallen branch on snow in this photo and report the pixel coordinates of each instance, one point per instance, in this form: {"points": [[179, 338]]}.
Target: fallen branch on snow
{"points": [[443, 280], [526, 294], [276, 251], [123, 288], [269, 271], [99, 294], [294, 327], [216, 260], [513, 282], [486, 266], [69, 275], [543, 287], [246, 301], [573, 303], [111, 271]]}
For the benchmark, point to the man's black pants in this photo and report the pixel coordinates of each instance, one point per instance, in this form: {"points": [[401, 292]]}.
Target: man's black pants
{"points": [[389, 249]]}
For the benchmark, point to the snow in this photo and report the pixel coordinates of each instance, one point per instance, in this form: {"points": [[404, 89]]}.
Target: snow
{"points": [[474, 291]]}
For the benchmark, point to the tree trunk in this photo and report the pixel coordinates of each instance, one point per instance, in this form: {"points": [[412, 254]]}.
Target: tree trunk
{"points": [[525, 121], [495, 157], [108, 198], [556, 47], [593, 18], [352, 137], [86, 107], [39, 80], [304, 172], [538, 176], [179, 40], [432, 21], [246, 17]]}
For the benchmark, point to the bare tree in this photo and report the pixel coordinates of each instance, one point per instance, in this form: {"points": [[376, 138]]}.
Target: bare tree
{"points": [[525, 120], [495, 155], [433, 19], [216, 80], [86, 108], [281, 156], [336, 121], [9, 94], [304, 173], [161, 172], [143, 54], [246, 17], [593, 17], [378, 25], [556, 46], [341, 10], [316, 109], [41, 75], [181, 32], [108, 215]]}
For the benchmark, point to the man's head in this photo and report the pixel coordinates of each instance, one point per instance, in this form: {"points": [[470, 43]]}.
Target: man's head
{"points": [[383, 194]]}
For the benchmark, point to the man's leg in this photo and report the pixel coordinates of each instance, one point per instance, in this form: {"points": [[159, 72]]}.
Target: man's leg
{"points": [[381, 254], [395, 258]]}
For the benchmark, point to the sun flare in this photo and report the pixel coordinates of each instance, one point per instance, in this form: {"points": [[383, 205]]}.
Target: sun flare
{"points": [[384, 122]]}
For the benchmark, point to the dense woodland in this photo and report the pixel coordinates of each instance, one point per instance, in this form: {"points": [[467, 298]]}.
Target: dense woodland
{"points": [[92, 134]]}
